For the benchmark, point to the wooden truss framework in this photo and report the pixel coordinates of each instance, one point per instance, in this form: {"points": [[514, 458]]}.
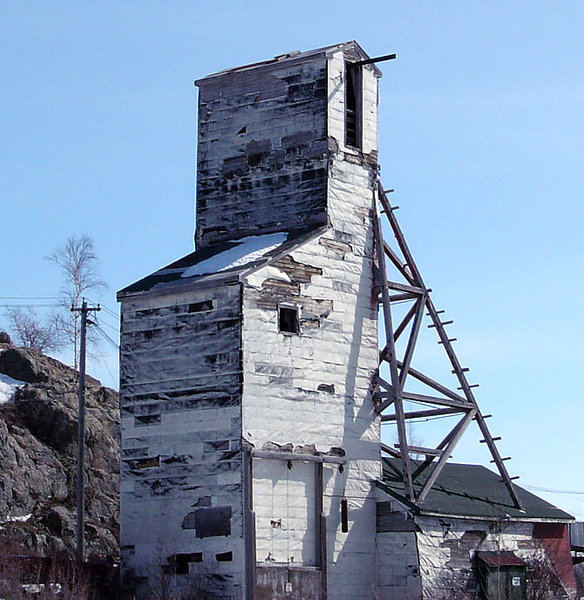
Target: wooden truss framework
{"points": [[391, 395]]}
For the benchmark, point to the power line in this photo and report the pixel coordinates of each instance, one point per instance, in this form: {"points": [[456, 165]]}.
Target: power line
{"points": [[553, 491], [106, 336], [106, 322], [29, 305], [29, 297], [107, 310], [103, 361]]}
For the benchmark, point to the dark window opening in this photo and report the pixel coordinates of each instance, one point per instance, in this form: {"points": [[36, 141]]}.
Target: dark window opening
{"points": [[353, 101], [200, 306], [179, 563], [145, 463], [288, 321], [224, 556], [344, 515]]}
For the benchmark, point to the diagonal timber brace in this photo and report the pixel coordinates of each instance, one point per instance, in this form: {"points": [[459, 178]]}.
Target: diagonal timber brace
{"points": [[443, 402]]}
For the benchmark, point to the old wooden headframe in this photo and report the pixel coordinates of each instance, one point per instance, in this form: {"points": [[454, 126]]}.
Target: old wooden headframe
{"points": [[391, 395]]}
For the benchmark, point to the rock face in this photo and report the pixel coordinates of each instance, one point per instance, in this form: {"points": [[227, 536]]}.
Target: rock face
{"points": [[38, 449]]}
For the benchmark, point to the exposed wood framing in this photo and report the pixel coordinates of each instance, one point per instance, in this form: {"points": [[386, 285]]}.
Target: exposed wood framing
{"points": [[443, 401]]}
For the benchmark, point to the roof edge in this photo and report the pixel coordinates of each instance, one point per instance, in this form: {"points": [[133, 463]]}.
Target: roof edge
{"points": [[288, 58]]}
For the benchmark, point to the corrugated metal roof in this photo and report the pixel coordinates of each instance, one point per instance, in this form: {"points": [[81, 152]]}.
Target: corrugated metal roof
{"points": [[468, 491]]}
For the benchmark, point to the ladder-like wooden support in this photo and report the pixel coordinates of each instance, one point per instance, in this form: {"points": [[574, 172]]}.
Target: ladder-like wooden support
{"points": [[391, 397]]}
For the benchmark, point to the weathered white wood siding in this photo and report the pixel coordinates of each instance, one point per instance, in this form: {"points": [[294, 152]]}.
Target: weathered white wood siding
{"points": [[181, 430], [446, 549], [312, 390], [262, 151], [434, 558]]}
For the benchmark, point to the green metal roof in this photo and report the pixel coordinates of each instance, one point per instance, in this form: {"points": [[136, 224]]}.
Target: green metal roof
{"points": [[467, 491]]}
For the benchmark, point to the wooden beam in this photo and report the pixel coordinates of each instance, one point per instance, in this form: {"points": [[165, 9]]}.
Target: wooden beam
{"points": [[283, 455], [398, 263], [460, 404], [436, 386], [409, 353], [391, 355], [425, 451], [446, 452], [389, 450], [403, 287], [421, 414]]}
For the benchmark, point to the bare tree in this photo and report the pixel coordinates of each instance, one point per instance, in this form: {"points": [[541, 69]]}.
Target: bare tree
{"points": [[32, 331], [78, 263]]}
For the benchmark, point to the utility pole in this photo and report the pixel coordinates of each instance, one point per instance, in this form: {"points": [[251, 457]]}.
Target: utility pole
{"points": [[84, 310]]}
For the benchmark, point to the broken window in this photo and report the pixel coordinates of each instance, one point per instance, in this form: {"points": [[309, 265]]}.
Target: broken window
{"points": [[178, 564], [353, 105], [200, 306], [224, 556], [288, 321]]}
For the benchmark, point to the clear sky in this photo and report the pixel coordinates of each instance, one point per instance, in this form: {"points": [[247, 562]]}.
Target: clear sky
{"points": [[481, 135]]}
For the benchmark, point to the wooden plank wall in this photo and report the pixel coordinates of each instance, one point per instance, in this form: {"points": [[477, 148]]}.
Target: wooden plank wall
{"points": [[262, 152], [181, 474]]}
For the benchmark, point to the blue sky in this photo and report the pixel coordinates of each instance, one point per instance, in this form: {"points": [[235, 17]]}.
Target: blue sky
{"points": [[481, 135]]}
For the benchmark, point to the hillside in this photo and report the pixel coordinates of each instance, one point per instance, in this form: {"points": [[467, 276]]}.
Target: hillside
{"points": [[38, 445]]}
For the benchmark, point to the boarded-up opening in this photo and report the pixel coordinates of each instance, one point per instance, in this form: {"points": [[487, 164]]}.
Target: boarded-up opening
{"points": [[285, 507], [209, 522]]}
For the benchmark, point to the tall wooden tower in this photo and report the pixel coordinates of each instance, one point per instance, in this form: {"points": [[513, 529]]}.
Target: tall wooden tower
{"points": [[251, 394], [250, 440]]}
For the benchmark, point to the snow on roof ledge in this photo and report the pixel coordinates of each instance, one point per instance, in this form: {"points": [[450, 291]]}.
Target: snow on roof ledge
{"points": [[247, 250]]}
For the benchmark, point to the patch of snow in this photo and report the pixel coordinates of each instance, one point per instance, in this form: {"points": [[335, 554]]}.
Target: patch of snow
{"points": [[20, 519], [248, 250], [257, 279], [8, 387]]}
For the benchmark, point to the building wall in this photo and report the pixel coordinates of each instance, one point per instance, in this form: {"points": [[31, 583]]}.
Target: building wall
{"points": [[310, 392], [432, 558], [396, 560], [446, 549], [262, 151], [181, 481]]}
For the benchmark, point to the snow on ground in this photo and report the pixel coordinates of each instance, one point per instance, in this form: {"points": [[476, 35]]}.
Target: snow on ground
{"points": [[8, 387], [20, 519], [247, 250]]}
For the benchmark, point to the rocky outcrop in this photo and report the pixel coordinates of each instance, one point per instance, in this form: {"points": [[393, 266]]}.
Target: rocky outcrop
{"points": [[38, 448]]}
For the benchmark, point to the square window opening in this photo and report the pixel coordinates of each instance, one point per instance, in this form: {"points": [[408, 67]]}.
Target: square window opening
{"points": [[288, 321]]}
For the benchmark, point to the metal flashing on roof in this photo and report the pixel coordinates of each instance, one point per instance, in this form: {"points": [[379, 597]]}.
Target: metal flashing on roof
{"points": [[500, 559]]}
